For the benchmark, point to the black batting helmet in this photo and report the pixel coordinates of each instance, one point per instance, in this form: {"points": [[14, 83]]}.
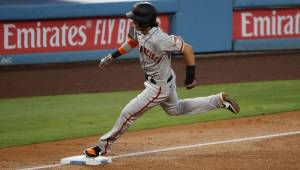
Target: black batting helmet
{"points": [[144, 13]]}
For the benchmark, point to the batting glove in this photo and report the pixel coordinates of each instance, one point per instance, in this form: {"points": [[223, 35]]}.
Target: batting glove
{"points": [[105, 61]]}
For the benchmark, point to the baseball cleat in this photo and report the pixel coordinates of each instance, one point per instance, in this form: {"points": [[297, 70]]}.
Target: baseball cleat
{"points": [[93, 152], [230, 104]]}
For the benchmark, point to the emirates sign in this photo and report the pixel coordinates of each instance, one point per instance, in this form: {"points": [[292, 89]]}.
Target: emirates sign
{"points": [[66, 35], [266, 23]]}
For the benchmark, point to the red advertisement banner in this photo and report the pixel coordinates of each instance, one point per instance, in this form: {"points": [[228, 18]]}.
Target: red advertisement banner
{"points": [[66, 35], [266, 23]]}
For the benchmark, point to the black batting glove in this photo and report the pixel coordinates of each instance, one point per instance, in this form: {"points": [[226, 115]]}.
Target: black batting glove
{"points": [[190, 81]]}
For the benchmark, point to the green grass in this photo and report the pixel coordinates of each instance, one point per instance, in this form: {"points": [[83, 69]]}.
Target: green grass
{"points": [[39, 119]]}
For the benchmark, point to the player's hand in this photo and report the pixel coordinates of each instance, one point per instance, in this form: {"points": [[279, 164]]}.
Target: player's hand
{"points": [[105, 61], [191, 85], [190, 81]]}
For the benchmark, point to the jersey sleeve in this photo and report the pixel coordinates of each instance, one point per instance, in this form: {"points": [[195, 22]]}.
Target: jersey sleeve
{"points": [[172, 43]]}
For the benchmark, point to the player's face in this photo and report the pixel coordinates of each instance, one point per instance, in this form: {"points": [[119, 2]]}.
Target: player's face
{"points": [[136, 25]]}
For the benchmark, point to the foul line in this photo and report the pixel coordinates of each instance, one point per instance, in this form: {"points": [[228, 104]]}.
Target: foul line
{"points": [[183, 147]]}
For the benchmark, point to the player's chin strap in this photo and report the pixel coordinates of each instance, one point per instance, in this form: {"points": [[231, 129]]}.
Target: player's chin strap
{"points": [[190, 76]]}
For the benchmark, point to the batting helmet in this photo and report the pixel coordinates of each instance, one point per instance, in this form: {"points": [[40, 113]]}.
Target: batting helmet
{"points": [[144, 13]]}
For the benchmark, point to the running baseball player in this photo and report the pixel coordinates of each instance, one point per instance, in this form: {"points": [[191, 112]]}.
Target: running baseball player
{"points": [[156, 47]]}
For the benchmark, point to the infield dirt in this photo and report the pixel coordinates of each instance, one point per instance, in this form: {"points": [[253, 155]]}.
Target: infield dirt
{"points": [[274, 153]]}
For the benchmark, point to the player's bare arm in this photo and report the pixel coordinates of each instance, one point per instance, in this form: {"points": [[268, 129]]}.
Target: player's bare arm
{"points": [[188, 54], [189, 58]]}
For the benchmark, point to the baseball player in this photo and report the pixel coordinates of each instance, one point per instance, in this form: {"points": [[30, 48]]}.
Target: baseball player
{"points": [[156, 47]]}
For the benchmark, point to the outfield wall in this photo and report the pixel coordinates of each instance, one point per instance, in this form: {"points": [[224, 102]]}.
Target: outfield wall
{"points": [[265, 3], [266, 25], [44, 31]]}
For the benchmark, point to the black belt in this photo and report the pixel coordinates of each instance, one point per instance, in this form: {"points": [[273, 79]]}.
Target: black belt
{"points": [[154, 82]]}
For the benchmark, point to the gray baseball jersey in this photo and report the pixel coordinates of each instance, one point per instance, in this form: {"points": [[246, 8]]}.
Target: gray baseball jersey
{"points": [[155, 49], [160, 87]]}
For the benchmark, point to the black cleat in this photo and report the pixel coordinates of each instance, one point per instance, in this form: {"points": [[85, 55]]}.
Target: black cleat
{"points": [[93, 152]]}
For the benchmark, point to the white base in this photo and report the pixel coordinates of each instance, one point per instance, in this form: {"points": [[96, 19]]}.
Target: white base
{"points": [[83, 160]]}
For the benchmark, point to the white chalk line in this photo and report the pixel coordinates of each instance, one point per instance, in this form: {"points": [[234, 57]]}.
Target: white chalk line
{"points": [[183, 147]]}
